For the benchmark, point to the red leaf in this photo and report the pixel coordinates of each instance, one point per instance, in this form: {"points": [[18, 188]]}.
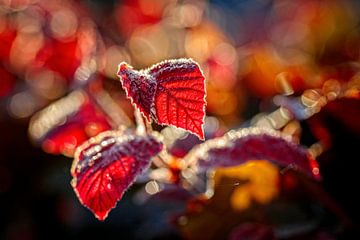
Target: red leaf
{"points": [[171, 93], [67, 123], [105, 167], [238, 147]]}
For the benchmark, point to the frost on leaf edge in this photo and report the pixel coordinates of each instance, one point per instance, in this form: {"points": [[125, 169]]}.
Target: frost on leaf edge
{"points": [[201, 151]]}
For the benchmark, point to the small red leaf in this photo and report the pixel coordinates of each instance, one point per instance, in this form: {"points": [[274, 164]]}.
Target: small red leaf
{"points": [[238, 147], [105, 167], [67, 123], [171, 93]]}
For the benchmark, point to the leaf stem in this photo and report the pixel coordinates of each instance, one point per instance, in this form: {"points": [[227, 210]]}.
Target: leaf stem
{"points": [[140, 124]]}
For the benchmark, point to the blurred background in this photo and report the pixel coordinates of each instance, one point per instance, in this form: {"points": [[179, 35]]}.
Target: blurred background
{"points": [[58, 87]]}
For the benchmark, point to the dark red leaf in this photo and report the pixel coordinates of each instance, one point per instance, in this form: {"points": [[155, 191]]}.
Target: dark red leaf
{"points": [[105, 167], [238, 147], [171, 93]]}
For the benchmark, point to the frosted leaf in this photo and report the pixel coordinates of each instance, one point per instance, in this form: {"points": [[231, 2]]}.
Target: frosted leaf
{"points": [[238, 147], [171, 93], [106, 166]]}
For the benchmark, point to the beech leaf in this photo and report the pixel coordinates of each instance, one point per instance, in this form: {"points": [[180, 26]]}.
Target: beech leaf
{"points": [[171, 92], [106, 166], [240, 146]]}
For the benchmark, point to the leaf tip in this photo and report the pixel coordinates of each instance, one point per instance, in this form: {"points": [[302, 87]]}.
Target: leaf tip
{"points": [[123, 66], [102, 215], [200, 134]]}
